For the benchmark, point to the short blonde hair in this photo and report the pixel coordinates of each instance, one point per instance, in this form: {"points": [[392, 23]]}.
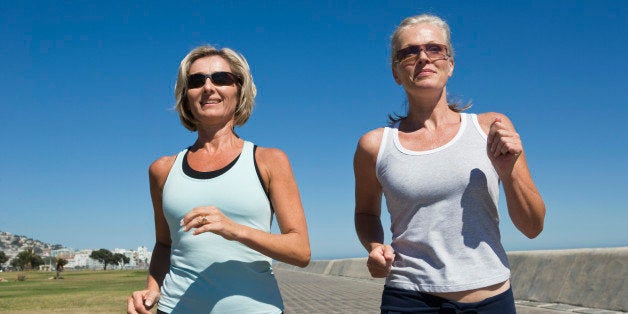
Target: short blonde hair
{"points": [[420, 19], [394, 47], [239, 67]]}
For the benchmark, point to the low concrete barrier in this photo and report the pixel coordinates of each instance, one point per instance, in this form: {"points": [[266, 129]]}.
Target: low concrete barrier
{"points": [[593, 278], [351, 267]]}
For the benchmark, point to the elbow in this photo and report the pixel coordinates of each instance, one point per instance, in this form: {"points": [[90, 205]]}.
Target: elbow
{"points": [[531, 225], [533, 231], [533, 234], [537, 226], [299, 257], [304, 258], [303, 264]]}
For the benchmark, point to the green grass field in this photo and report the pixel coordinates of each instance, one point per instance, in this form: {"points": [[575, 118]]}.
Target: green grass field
{"points": [[78, 292]]}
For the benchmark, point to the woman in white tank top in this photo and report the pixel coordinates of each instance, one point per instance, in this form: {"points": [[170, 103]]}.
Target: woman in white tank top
{"points": [[439, 170]]}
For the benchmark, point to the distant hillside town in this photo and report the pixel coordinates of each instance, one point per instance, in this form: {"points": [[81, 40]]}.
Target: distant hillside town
{"points": [[11, 245]]}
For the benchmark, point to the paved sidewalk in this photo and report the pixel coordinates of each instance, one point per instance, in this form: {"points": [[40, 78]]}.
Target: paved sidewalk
{"points": [[313, 293]]}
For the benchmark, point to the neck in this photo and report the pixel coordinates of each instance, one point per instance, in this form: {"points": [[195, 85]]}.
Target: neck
{"points": [[428, 110], [213, 138]]}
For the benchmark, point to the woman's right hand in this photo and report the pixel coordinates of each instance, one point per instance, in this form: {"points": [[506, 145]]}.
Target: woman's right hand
{"points": [[380, 261], [142, 301]]}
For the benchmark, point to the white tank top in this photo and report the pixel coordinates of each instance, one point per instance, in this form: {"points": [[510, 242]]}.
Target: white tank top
{"points": [[443, 208]]}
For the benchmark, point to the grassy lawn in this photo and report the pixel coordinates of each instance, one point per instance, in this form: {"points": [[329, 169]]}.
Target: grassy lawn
{"points": [[79, 291]]}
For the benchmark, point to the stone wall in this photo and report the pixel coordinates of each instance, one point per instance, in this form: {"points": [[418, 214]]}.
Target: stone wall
{"points": [[593, 278]]}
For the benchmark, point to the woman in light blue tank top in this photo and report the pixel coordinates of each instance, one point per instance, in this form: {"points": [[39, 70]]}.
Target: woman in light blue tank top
{"points": [[214, 202], [439, 170]]}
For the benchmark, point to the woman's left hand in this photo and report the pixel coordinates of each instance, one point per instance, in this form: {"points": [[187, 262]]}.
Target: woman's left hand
{"points": [[525, 205], [210, 219], [504, 146]]}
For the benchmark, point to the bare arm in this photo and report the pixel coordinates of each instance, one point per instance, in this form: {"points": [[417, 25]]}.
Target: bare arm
{"points": [[368, 192], [142, 301], [368, 199], [292, 245], [505, 150]]}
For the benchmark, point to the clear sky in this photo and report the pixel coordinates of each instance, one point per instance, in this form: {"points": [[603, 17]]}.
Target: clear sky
{"points": [[86, 97]]}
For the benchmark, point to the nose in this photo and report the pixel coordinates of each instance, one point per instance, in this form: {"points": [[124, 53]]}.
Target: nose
{"points": [[422, 57], [208, 86]]}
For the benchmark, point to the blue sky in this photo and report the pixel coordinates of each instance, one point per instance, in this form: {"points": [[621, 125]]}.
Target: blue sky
{"points": [[86, 93]]}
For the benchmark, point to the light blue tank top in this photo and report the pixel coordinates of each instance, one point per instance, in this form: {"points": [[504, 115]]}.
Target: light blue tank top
{"points": [[209, 274], [443, 208]]}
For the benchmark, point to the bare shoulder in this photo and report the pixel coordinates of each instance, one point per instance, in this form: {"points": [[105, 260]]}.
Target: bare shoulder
{"points": [[271, 156], [369, 142], [159, 169], [273, 165]]}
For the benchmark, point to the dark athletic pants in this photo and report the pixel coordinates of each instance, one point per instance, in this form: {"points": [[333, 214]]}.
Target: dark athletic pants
{"points": [[397, 301]]}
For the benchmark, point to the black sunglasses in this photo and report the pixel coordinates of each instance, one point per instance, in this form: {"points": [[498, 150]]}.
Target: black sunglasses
{"points": [[197, 80]]}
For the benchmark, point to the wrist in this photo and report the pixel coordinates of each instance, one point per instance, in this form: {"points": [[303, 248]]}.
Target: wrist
{"points": [[153, 287], [239, 233], [374, 246]]}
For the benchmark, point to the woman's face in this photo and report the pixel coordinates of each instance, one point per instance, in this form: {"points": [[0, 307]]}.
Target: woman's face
{"points": [[212, 103], [425, 72]]}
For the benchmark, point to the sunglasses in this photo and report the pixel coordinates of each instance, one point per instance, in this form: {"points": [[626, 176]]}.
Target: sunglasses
{"points": [[410, 55], [217, 78]]}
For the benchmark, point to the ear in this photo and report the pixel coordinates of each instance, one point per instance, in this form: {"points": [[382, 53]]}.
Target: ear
{"points": [[395, 76], [451, 67]]}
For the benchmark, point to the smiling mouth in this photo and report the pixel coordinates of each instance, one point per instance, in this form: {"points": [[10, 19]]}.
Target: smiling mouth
{"points": [[211, 102]]}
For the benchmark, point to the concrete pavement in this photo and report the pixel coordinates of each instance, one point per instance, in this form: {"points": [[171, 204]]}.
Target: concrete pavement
{"points": [[577, 281], [305, 292]]}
